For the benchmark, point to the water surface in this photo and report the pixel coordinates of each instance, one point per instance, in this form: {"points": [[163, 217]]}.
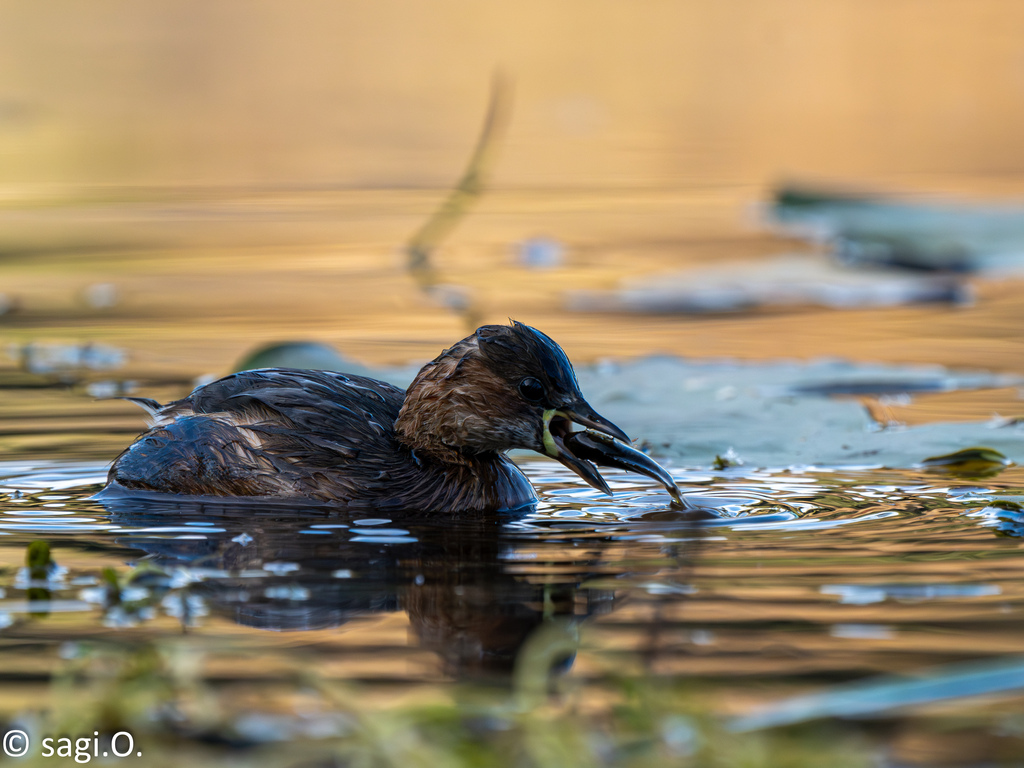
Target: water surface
{"points": [[825, 571], [804, 580]]}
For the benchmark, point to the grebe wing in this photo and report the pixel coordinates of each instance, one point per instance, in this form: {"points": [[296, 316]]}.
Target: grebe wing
{"points": [[293, 408], [268, 432]]}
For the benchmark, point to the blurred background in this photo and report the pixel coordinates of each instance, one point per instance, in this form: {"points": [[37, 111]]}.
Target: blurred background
{"points": [[185, 181], [664, 95], [785, 233]]}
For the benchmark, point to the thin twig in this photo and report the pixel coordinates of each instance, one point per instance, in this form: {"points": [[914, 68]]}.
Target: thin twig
{"points": [[455, 206]]}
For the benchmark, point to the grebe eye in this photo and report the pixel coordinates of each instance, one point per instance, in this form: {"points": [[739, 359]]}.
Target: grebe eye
{"points": [[531, 389]]}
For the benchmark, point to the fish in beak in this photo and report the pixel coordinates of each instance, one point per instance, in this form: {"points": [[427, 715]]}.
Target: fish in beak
{"points": [[601, 443]]}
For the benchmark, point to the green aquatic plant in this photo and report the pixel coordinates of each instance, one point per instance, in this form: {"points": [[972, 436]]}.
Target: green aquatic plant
{"points": [[165, 693], [111, 586], [722, 462], [978, 461], [39, 561], [40, 567]]}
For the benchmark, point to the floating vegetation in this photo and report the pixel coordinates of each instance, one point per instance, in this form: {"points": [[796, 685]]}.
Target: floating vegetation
{"points": [[67, 360], [869, 229], [39, 562], [969, 462], [783, 282], [726, 461], [875, 697], [300, 354], [160, 694], [778, 414]]}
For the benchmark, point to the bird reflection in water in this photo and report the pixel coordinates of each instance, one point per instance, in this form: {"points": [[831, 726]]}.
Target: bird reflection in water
{"points": [[462, 581]]}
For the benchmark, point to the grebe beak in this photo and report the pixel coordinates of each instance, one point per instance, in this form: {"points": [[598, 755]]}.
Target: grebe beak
{"points": [[602, 443]]}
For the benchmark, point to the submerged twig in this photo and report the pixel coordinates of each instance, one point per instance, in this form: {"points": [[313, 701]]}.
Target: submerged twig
{"points": [[454, 207]]}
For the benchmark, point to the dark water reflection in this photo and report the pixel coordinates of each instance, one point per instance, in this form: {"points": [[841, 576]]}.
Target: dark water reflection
{"points": [[287, 568]]}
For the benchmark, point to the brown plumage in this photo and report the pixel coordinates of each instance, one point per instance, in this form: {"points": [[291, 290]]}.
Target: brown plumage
{"points": [[349, 440]]}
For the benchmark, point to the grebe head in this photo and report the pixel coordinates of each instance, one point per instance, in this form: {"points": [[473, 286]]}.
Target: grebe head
{"points": [[511, 386]]}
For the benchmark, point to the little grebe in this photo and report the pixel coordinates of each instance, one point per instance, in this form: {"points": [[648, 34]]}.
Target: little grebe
{"points": [[281, 433]]}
